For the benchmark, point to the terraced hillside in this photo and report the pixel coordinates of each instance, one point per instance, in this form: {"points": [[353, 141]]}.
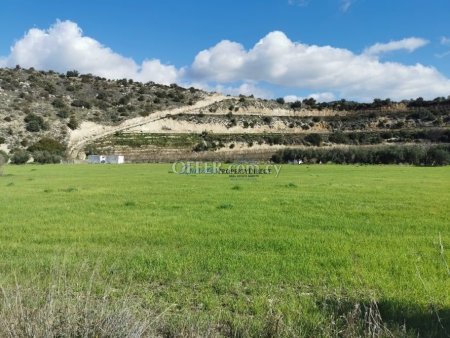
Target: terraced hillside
{"points": [[150, 122]]}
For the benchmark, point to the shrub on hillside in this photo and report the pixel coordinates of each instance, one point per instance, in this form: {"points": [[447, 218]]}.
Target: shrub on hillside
{"points": [[296, 105], [339, 138], [58, 103], [72, 73], [45, 157], [20, 157], [48, 145], [35, 123], [73, 123], [63, 114], [314, 139], [267, 119], [81, 104]]}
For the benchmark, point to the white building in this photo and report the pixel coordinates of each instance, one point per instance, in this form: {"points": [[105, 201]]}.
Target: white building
{"points": [[108, 159]]}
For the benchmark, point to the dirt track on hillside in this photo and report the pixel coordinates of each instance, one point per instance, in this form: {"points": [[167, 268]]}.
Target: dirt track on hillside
{"points": [[90, 131]]}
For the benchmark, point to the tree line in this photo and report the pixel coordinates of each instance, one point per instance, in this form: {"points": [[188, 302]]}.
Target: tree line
{"points": [[433, 155]]}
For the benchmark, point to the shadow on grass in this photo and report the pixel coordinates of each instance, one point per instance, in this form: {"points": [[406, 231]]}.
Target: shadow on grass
{"points": [[426, 322], [387, 318]]}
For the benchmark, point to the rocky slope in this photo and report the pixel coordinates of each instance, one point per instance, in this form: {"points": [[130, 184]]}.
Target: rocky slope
{"points": [[151, 122]]}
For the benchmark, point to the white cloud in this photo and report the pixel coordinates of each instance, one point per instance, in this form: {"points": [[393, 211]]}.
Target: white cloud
{"points": [[345, 5], [409, 44], [246, 88], [301, 3], [442, 55], [445, 41], [230, 68], [277, 60], [63, 47], [319, 97]]}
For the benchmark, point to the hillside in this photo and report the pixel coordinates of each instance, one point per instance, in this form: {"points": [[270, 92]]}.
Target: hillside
{"points": [[148, 122]]}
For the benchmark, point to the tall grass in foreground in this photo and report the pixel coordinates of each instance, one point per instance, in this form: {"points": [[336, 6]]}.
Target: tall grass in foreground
{"points": [[66, 308]]}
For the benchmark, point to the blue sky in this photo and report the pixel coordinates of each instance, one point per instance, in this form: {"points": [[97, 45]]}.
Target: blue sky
{"points": [[174, 32]]}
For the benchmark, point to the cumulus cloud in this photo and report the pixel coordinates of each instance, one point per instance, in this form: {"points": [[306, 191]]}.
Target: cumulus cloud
{"points": [[319, 97], [409, 44], [63, 47], [277, 60], [246, 88], [230, 68]]}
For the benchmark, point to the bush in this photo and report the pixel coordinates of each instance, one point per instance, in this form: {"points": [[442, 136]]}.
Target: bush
{"points": [[58, 103], [81, 104], [296, 105], [314, 139], [2, 140], [267, 119], [48, 145], [73, 123], [280, 100], [20, 157], [44, 157], [339, 138], [438, 156], [416, 155], [63, 114], [35, 123], [72, 73], [33, 126]]}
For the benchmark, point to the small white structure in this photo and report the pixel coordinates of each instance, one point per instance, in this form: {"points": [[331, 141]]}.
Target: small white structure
{"points": [[106, 159]]}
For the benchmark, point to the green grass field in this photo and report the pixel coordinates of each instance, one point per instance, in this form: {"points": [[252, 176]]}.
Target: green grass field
{"points": [[286, 256]]}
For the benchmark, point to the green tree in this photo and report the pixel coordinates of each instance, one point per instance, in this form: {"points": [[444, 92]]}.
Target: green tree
{"points": [[310, 102], [296, 105], [72, 73]]}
